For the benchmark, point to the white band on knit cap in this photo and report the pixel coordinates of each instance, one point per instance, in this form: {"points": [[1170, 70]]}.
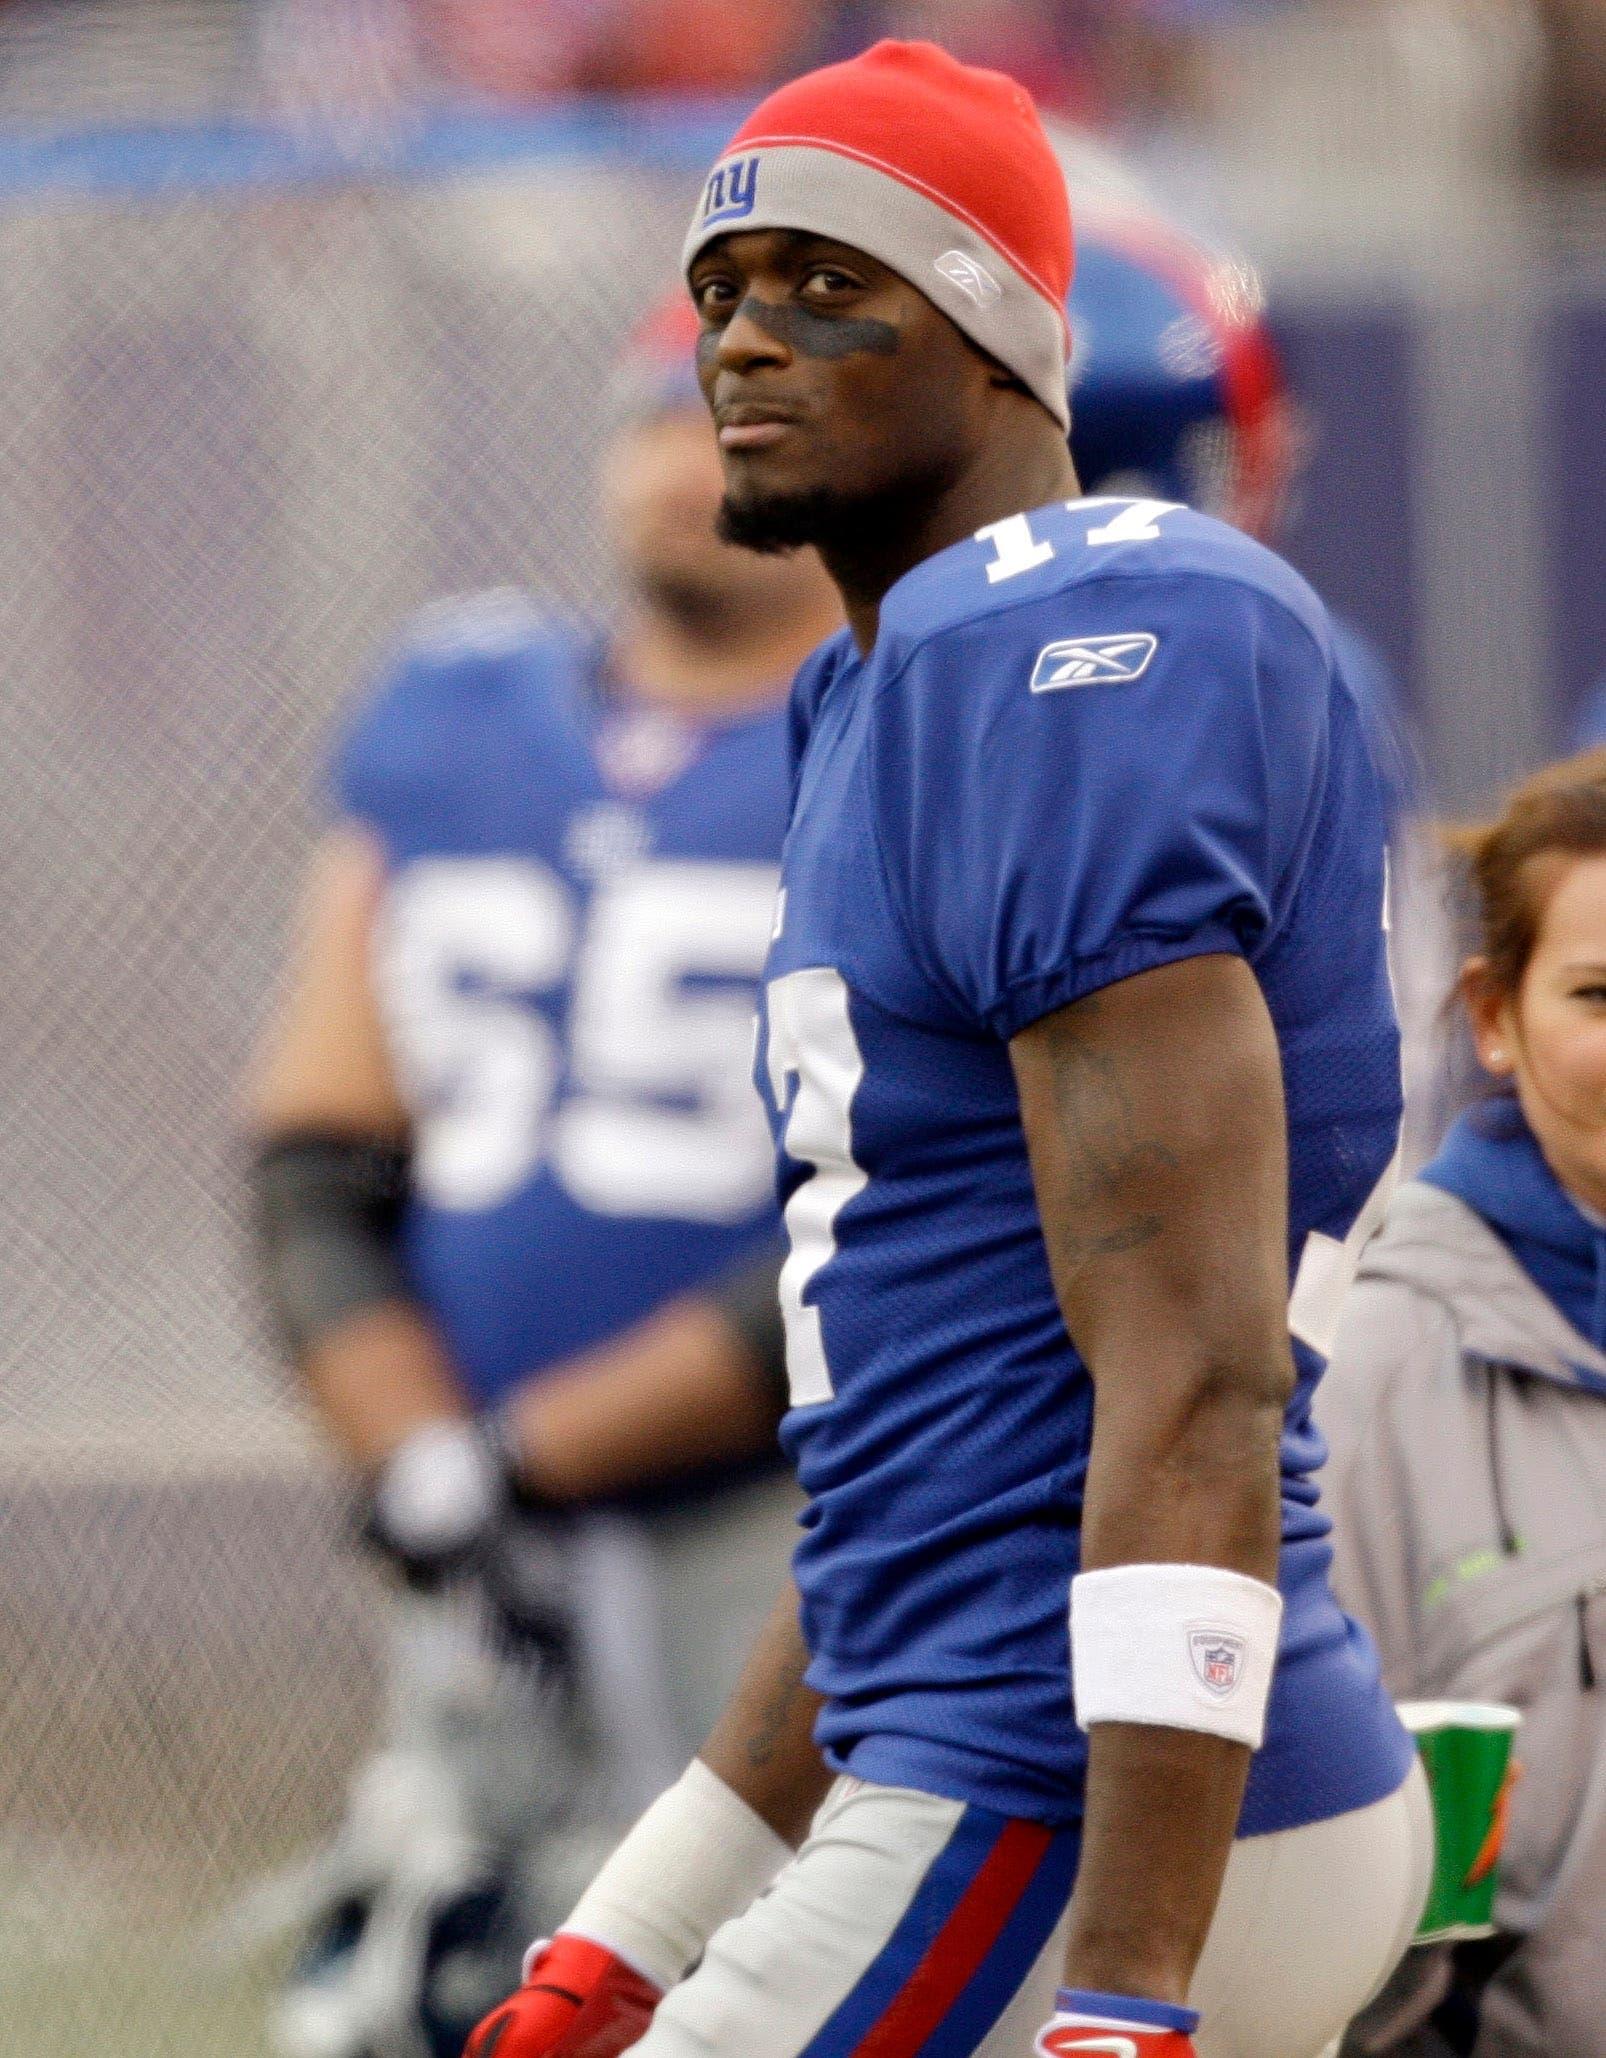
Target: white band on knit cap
{"points": [[795, 183], [1179, 1646]]}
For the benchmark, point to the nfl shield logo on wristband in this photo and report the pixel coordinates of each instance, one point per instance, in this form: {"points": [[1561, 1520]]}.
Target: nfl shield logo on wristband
{"points": [[1217, 1660]]}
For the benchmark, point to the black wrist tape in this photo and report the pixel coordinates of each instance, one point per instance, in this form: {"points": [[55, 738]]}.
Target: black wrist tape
{"points": [[328, 1214], [749, 1297]]}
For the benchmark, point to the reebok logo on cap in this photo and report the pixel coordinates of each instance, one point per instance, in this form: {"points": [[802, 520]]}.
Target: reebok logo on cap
{"points": [[972, 279]]}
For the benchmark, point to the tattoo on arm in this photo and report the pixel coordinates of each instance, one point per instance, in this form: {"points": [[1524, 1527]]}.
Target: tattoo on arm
{"points": [[1103, 1151], [775, 1715]]}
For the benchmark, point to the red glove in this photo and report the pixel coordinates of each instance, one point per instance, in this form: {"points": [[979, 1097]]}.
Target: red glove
{"points": [[577, 2001], [1114, 2026]]}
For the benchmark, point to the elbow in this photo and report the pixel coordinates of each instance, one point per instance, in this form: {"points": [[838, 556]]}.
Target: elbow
{"points": [[1190, 1470], [1257, 1375], [1206, 1408], [1240, 1388]]}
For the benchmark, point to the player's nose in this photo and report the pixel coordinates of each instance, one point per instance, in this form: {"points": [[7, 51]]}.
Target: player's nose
{"points": [[749, 341]]}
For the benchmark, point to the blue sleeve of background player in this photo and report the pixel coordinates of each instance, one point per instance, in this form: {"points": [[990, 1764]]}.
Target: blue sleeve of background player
{"points": [[1099, 782], [387, 764], [360, 775]]}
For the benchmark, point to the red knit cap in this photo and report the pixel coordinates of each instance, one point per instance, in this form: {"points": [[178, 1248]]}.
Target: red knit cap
{"points": [[939, 169]]}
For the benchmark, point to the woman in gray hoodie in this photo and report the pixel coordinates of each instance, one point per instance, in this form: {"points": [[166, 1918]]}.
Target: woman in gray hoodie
{"points": [[1466, 1409]]}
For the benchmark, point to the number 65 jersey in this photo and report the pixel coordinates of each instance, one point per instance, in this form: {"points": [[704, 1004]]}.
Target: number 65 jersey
{"points": [[577, 904], [1089, 741]]}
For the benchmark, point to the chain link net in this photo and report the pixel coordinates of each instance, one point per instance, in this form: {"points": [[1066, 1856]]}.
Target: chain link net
{"points": [[242, 438]]}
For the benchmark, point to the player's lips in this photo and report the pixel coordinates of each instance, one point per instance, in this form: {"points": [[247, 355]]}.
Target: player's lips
{"points": [[752, 424]]}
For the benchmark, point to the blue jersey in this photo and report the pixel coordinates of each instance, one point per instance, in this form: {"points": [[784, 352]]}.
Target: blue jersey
{"points": [[1090, 741], [575, 916]]}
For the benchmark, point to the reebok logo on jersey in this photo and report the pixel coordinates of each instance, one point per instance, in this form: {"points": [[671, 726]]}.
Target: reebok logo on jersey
{"points": [[1217, 1659], [1093, 661]]}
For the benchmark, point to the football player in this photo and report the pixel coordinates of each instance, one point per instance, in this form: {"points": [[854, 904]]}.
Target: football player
{"points": [[1079, 1049], [516, 1198]]}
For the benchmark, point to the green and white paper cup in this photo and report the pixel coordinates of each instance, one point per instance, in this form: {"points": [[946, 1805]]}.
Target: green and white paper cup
{"points": [[1465, 1748]]}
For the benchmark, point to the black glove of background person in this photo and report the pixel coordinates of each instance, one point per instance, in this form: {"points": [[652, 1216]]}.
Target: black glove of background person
{"points": [[448, 1510]]}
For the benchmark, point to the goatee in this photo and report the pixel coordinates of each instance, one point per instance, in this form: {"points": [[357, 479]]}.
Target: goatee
{"points": [[775, 523]]}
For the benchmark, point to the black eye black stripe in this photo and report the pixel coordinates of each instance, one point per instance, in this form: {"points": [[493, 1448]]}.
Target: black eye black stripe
{"points": [[808, 333]]}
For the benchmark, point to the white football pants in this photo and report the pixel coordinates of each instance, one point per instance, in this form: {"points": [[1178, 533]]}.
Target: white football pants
{"points": [[912, 1927]]}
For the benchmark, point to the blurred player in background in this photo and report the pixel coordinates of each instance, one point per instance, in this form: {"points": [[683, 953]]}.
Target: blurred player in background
{"points": [[1080, 1054], [516, 1202], [1178, 391]]}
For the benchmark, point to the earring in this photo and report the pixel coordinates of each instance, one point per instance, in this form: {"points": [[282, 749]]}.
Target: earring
{"points": [[1497, 1057]]}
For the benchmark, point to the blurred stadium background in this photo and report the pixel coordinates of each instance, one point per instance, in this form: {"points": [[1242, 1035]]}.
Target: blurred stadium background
{"points": [[306, 312]]}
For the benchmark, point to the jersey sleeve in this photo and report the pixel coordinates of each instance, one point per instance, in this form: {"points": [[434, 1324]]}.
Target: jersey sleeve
{"points": [[387, 761], [1100, 782], [809, 686], [360, 776]]}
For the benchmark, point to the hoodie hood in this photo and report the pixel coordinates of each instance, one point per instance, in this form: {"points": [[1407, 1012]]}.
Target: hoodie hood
{"points": [[1485, 1230]]}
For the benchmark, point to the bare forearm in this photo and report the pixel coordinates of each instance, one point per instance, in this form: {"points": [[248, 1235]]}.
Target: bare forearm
{"points": [[669, 1396], [1154, 1119], [763, 1744], [675, 1393], [379, 1376], [1162, 1804]]}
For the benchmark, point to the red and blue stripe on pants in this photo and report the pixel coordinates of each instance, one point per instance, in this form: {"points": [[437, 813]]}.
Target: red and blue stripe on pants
{"points": [[964, 1946]]}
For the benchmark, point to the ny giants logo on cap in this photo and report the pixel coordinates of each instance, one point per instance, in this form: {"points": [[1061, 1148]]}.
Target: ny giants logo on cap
{"points": [[1217, 1660], [731, 190]]}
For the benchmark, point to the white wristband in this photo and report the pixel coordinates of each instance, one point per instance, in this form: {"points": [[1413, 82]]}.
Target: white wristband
{"points": [[1180, 1646], [697, 1857]]}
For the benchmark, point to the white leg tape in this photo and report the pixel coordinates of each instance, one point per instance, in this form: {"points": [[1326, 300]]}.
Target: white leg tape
{"points": [[697, 1857], [1178, 1646]]}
